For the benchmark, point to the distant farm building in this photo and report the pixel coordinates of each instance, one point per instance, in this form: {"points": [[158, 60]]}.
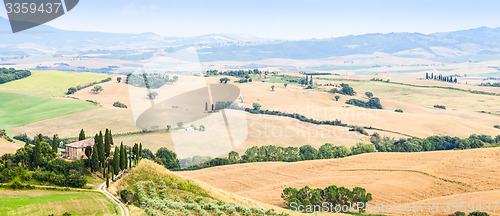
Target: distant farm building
{"points": [[76, 150]]}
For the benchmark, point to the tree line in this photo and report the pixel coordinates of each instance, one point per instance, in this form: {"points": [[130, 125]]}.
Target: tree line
{"points": [[330, 151], [372, 103], [433, 143], [345, 89], [100, 158], [256, 110], [339, 199], [440, 78], [11, 74], [285, 154], [149, 80], [3, 134], [490, 84], [72, 90], [238, 73], [38, 163]]}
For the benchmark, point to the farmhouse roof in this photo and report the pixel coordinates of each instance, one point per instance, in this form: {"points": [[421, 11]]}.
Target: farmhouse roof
{"points": [[82, 143]]}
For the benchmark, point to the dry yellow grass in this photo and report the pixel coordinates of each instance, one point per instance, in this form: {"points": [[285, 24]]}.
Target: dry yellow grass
{"points": [[392, 178], [8, 147], [154, 170], [112, 92], [263, 130], [462, 117], [92, 121]]}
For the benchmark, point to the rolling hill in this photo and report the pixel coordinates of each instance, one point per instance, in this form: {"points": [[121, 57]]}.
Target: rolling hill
{"points": [[392, 178]]}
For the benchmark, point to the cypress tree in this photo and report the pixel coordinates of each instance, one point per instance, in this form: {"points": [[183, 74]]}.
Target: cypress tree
{"points": [[140, 151], [116, 161], [27, 142], [54, 144], [107, 143], [94, 162], [96, 146], [107, 180], [111, 142], [82, 135], [122, 157], [102, 155], [136, 152]]}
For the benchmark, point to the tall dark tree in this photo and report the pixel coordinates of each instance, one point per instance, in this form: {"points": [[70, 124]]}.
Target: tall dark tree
{"points": [[54, 144], [38, 137], [102, 153], [140, 151], [37, 152], [116, 161], [122, 157], [111, 142], [88, 151], [94, 162], [135, 152], [107, 143], [27, 143], [107, 179], [81, 136]]}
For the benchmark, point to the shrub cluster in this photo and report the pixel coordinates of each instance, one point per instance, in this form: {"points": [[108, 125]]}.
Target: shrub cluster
{"points": [[295, 116], [119, 104], [312, 199], [440, 106], [11, 74], [373, 103], [3, 134], [433, 143], [149, 80]]}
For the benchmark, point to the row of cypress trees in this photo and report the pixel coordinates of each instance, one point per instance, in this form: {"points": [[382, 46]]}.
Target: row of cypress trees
{"points": [[102, 159]]}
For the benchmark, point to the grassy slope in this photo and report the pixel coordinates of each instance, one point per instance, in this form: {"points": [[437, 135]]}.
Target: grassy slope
{"points": [[54, 202], [52, 83], [17, 109], [148, 170]]}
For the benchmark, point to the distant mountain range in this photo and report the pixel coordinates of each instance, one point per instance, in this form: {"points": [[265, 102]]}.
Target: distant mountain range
{"points": [[466, 45]]}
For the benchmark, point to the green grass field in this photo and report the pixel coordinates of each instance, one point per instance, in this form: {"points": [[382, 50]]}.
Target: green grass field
{"points": [[51, 83], [36, 202], [18, 109]]}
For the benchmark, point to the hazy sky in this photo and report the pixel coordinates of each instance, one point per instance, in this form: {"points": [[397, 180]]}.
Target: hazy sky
{"points": [[286, 19]]}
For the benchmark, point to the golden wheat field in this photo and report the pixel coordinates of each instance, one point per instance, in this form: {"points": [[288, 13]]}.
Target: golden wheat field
{"points": [[392, 178]]}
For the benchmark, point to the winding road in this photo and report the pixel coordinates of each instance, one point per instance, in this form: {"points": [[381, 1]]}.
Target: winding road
{"points": [[124, 209]]}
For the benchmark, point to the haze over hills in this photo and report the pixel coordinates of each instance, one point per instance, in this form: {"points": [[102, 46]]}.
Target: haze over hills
{"points": [[457, 46]]}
